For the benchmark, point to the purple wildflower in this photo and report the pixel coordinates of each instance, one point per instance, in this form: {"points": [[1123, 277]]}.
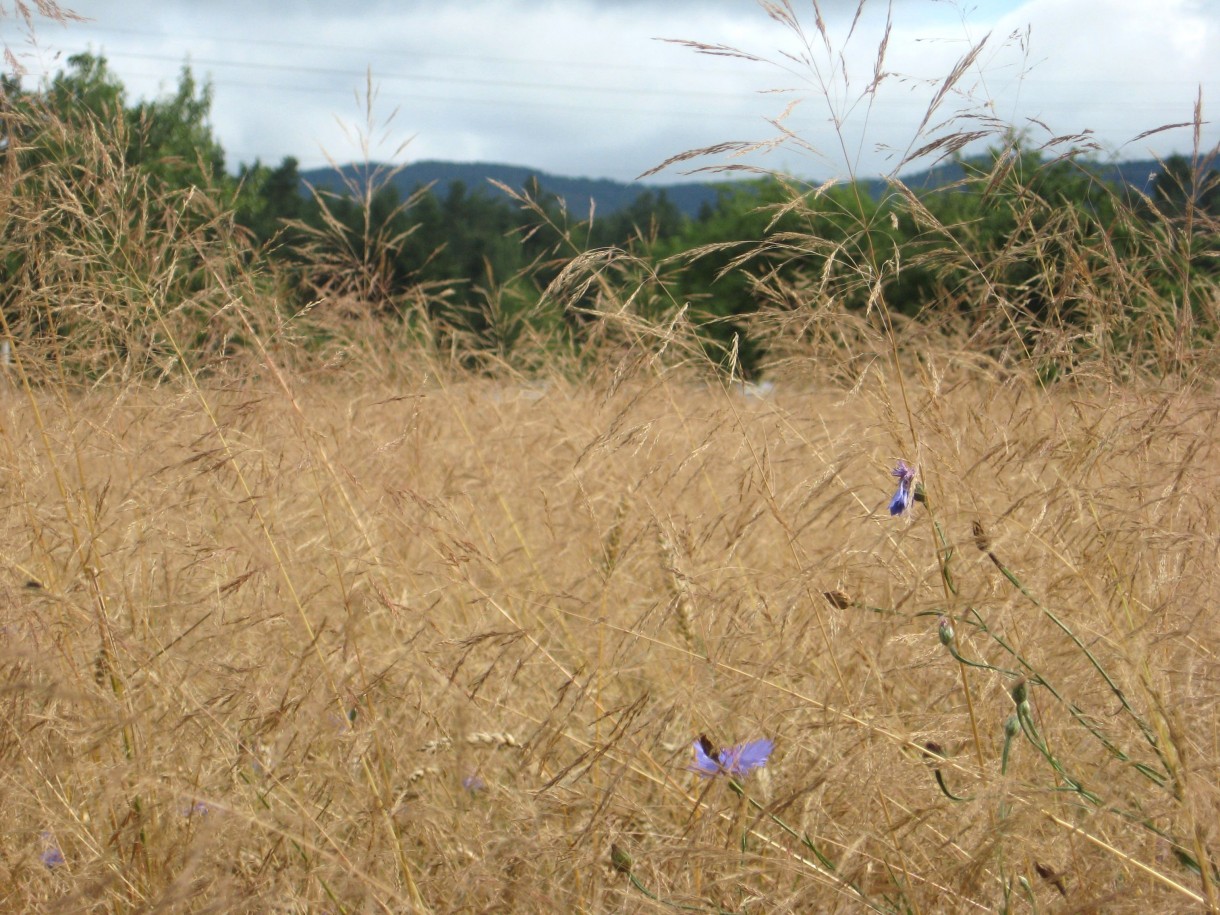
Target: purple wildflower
{"points": [[906, 488], [707, 760], [474, 784], [52, 857], [736, 761], [196, 809]]}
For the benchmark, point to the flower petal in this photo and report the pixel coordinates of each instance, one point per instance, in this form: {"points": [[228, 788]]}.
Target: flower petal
{"points": [[906, 484], [743, 759], [704, 764], [901, 501]]}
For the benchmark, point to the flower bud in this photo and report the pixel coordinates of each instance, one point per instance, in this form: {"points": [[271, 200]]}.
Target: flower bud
{"points": [[981, 539], [1012, 727], [620, 859], [840, 600], [944, 630], [1020, 692]]}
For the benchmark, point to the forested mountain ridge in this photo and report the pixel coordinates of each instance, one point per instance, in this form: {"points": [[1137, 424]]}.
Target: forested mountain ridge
{"points": [[609, 196]]}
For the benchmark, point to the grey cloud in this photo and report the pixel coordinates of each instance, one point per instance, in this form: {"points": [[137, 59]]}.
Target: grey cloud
{"points": [[581, 87]]}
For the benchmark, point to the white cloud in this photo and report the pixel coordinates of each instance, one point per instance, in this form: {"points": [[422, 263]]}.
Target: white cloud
{"points": [[582, 87]]}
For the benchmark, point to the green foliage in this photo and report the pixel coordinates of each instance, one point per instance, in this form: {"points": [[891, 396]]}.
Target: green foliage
{"points": [[1028, 222], [1183, 189], [269, 198], [170, 138], [650, 219], [119, 247], [1042, 248]]}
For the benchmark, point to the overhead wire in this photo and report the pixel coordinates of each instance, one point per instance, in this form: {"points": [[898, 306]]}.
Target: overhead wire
{"points": [[226, 72]]}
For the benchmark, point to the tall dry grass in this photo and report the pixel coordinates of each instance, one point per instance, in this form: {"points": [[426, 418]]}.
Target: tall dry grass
{"points": [[442, 646], [301, 617]]}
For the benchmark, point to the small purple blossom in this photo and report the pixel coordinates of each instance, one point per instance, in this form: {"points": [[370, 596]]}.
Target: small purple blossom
{"points": [[474, 784], [52, 857], [906, 488], [196, 809], [736, 761]]}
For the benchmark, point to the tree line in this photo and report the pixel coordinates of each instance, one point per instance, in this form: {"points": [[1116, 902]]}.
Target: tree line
{"points": [[1046, 239]]}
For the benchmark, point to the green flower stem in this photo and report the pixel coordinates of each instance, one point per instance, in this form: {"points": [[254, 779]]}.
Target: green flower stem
{"points": [[804, 839], [979, 664], [945, 554], [940, 780], [1074, 710], [623, 863], [1114, 687], [1026, 719], [1012, 727]]}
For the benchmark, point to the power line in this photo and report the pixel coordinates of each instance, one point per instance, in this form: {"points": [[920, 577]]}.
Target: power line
{"points": [[432, 55], [686, 105], [409, 77], [1150, 79], [511, 84], [516, 103]]}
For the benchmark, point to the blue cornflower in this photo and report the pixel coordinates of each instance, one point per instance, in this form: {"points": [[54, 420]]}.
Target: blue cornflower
{"points": [[906, 488], [474, 784], [52, 857], [736, 761], [196, 809]]}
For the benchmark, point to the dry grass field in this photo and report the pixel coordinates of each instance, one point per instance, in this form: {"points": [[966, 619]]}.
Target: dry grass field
{"points": [[300, 618], [447, 645]]}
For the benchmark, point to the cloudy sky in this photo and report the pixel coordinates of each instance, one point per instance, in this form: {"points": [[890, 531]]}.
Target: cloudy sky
{"points": [[585, 87]]}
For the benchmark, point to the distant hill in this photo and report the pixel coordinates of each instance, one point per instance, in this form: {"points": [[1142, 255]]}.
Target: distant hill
{"points": [[609, 196], [1136, 174]]}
